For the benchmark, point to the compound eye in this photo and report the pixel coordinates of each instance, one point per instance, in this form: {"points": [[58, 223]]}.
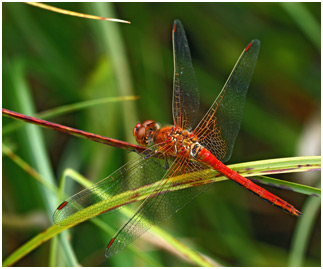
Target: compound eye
{"points": [[141, 136], [134, 130]]}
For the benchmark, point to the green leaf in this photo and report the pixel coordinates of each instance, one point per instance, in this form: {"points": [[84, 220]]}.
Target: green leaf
{"points": [[296, 164], [303, 230]]}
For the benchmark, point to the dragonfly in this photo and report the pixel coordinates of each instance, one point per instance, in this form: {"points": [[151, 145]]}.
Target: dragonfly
{"points": [[178, 154]]}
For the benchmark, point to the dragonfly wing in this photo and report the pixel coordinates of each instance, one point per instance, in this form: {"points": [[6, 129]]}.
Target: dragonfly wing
{"points": [[185, 90], [111, 192], [179, 186], [220, 126]]}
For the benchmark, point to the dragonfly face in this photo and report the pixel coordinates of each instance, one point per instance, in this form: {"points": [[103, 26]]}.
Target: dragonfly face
{"points": [[145, 132]]}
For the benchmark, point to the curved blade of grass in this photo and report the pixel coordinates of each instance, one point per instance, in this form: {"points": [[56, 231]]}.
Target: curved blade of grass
{"points": [[291, 186], [191, 255], [54, 230], [109, 35], [70, 173], [297, 164], [53, 252], [151, 261], [75, 176], [34, 142], [73, 13], [305, 20], [303, 230], [28, 169], [63, 110], [279, 166], [33, 243], [58, 192]]}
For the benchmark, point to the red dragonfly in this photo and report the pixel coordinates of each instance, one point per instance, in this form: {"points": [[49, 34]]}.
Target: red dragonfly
{"points": [[185, 151]]}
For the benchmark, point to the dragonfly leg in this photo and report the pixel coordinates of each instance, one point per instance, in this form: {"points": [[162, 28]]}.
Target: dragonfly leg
{"points": [[147, 155], [166, 163], [133, 150]]}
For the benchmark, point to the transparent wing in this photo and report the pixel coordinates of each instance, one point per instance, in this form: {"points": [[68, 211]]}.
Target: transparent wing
{"points": [[162, 203], [185, 91], [140, 171], [218, 129]]}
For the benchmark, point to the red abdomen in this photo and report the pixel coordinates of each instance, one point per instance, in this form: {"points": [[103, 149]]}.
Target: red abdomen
{"points": [[210, 160]]}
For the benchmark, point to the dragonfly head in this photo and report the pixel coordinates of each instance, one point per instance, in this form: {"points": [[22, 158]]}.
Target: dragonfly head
{"points": [[145, 132]]}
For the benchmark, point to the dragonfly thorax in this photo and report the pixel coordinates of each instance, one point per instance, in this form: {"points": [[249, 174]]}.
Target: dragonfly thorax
{"points": [[173, 140]]}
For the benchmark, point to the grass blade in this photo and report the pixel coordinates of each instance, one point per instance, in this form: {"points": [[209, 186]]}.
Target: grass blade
{"points": [[73, 13], [305, 21], [291, 186], [34, 142], [299, 164], [303, 230], [114, 48]]}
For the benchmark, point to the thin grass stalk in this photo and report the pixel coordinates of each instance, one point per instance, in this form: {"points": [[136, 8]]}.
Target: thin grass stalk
{"points": [[115, 49], [34, 141], [302, 235]]}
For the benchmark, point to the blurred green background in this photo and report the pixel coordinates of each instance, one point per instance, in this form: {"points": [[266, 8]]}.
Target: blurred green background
{"points": [[50, 60]]}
